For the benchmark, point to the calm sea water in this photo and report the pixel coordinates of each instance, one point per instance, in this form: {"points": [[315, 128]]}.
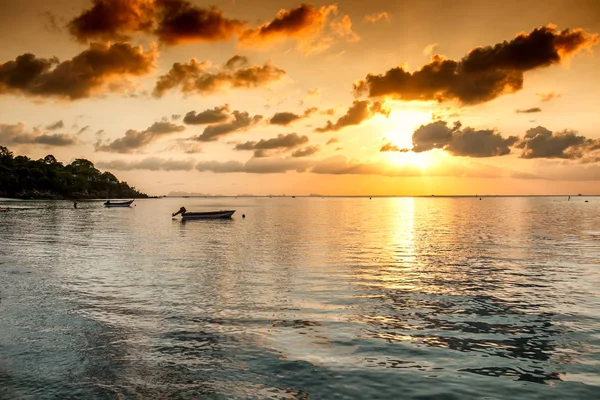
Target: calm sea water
{"points": [[334, 298]]}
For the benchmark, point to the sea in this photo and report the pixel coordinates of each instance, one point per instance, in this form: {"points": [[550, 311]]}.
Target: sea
{"points": [[302, 298]]}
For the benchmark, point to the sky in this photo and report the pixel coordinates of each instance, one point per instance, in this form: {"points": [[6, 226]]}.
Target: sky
{"points": [[243, 97]]}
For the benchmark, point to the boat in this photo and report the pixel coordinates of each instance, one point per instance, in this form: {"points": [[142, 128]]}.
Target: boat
{"points": [[187, 215], [118, 203]]}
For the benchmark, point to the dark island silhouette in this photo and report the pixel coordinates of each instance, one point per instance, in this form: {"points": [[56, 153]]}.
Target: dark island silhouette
{"points": [[47, 178]]}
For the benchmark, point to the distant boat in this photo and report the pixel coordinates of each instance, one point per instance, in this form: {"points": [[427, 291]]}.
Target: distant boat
{"points": [[118, 203], [3, 209], [187, 215]]}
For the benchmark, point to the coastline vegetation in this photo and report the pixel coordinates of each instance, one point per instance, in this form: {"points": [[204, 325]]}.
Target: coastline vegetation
{"points": [[47, 178]]}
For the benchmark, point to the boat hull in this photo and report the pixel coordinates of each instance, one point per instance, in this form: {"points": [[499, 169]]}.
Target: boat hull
{"points": [[207, 215], [119, 204]]}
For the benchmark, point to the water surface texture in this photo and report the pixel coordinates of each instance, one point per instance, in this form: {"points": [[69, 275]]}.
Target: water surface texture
{"points": [[320, 298]]}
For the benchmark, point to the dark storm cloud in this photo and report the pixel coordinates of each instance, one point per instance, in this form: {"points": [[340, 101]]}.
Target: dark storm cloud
{"points": [[197, 77], [172, 21], [529, 110], [80, 77], [18, 134], [209, 116], [306, 151], [133, 139], [360, 111], [151, 164], [286, 118], [483, 74], [457, 141], [241, 121], [540, 142], [56, 125]]}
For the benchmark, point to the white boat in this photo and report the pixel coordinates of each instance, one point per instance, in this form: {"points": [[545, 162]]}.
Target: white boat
{"points": [[187, 215], [118, 203]]}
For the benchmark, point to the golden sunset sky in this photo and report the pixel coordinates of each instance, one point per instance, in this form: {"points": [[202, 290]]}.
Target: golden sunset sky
{"points": [[271, 97]]}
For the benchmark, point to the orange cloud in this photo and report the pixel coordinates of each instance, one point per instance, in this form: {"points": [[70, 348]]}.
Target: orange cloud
{"points": [[179, 22], [172, 21], [82, 76], [315, 29], [197, 77], [356, 114], [484, 74], [378, 17]]}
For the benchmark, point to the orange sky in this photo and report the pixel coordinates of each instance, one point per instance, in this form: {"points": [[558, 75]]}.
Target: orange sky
{"points": [[271, 97]]}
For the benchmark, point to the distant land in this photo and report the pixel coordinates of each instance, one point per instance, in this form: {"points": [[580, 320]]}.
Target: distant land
{"points": [[47, 178]]}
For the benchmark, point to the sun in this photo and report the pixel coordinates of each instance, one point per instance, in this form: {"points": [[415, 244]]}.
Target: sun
{"points": [[399, 129]]}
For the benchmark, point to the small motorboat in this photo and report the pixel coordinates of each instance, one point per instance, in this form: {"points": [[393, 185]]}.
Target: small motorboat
{"points": [[3, 209], [118, 203], [187, 215]]}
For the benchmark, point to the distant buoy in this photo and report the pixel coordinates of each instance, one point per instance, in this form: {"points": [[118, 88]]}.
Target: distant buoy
{"points": [[480, 198], [243, 215]]}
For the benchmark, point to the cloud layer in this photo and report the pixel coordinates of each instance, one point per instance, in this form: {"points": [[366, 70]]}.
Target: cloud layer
{"points": [[18, 134]]}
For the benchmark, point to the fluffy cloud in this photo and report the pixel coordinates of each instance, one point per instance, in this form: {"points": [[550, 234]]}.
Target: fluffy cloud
{"points": [[241, 121], [18, 134], [378, 17], [151, 163], [80, 77], [282, 141], [210, 116], [198, 77], [315, 29], [172, 21], [539, 142], [133, 139], [356, 114], [549, 96], [391, 147], [484, 74], [466, 142], [56, 125], [286, 118], [306, 151], [180, 21], [529, 110]]}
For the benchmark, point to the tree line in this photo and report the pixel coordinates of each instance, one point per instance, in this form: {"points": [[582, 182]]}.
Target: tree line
{"points": [[47, 178]]}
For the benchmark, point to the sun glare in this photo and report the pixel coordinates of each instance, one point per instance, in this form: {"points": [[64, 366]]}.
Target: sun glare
{"points": [[402, 123]]}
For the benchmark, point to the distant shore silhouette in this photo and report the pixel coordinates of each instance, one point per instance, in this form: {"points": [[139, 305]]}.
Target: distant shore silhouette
{"points": [[47, 178]]}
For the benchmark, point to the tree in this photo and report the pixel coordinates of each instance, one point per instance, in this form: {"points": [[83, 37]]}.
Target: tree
{"points": [[50, 160]]}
